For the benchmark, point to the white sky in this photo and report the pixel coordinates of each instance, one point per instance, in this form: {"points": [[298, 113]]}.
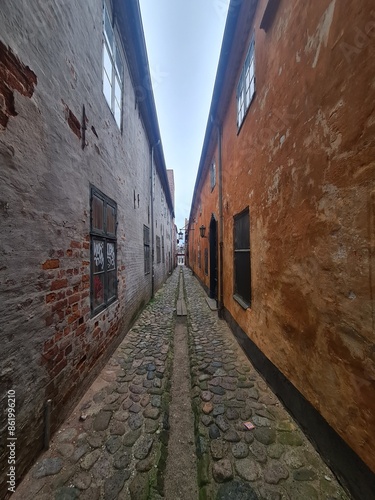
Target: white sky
{"points": [[183, 39]]}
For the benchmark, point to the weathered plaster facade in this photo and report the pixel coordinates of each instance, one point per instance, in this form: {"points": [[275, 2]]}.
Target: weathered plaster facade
{"points": [[58, 137], [302, 162]]}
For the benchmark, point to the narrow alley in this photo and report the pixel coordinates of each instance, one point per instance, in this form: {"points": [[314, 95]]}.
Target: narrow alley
{"points": [[117, 443]]}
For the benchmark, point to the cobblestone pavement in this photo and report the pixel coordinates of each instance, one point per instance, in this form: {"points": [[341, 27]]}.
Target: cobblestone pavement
{"points": [[272, 461], [114, 445], [119, 450]]}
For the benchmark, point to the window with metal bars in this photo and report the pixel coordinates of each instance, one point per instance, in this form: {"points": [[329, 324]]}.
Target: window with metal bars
{"points": [[103, 225], [246, 84], [242, 258]]}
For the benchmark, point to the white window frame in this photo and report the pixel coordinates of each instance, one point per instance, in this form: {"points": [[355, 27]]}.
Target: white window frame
{"points": [[246, 84], [113, 68]]}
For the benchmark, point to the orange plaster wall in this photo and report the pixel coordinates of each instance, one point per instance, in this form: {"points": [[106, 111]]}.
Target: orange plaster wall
{"points": [[206, 205], [303, 162]]}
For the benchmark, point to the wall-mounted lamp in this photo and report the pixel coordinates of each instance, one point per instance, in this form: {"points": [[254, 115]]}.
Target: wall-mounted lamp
{"points": [[202, 231], [180, 235]]}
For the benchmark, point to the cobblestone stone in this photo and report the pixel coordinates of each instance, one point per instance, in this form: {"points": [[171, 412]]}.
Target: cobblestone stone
{"points": [[222, 470], [47, 467]]}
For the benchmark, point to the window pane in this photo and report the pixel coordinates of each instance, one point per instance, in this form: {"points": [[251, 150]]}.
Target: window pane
{"points": [[118, 91], [98, 255], [118, 101], [242, 232], [112, 284], [252, 69], [119, 65], [111, 220], [147, 258], [107, 63], [117, 114], [242, 275], [111, 256], [108, 28], [107, 90], [252, 88], [247, 83], [97, 213], [98, 291], [146, 235]]}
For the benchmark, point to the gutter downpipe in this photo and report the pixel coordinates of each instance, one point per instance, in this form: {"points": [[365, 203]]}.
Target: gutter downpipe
{"points": [[221, 226]]}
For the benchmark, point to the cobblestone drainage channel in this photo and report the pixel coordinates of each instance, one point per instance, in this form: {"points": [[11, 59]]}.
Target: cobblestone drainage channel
{"points": [[181, 468]]}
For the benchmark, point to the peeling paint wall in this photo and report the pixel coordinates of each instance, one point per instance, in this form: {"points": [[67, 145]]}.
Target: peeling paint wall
{"points": [[303, 161], [58, 137]]}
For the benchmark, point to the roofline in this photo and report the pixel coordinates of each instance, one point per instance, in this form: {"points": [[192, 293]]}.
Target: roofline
{"points": [[134, 40], [231, 24]]}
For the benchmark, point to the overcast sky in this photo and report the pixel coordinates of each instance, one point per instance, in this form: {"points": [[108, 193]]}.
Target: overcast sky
{"points": [[183, 41]]}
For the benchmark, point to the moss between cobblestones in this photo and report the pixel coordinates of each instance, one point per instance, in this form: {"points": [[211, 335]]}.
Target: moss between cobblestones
{"points": [[157, 474], [203, 470], [205, 493]]}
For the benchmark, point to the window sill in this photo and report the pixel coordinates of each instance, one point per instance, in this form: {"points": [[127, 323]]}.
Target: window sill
{"points": [[100, 311], [240, 301]]}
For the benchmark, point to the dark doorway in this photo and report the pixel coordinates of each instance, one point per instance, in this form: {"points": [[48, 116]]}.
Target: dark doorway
{"points": [[213, 258]]}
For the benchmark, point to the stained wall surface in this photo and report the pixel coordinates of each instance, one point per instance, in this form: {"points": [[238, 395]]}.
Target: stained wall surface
{"points": [[58, 138], [303, 162]]}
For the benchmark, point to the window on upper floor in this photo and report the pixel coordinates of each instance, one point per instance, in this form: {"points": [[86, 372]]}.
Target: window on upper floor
{"points": [[242, 259], [246, 84], [103, 238], [213, 175], [113, 67]]}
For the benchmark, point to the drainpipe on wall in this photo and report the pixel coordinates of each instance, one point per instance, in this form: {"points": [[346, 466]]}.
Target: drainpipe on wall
{"points": [[152, 219], [221, 226]]}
